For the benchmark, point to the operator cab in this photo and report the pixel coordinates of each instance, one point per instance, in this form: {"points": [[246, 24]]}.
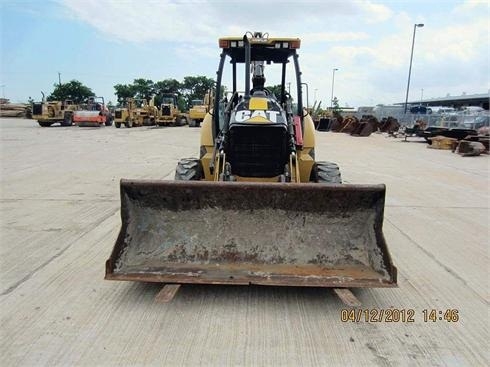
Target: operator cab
{"points": [[255, 130]]}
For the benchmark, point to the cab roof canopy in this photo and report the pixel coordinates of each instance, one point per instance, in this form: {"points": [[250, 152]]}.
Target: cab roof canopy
{"points": [[276, 50]]}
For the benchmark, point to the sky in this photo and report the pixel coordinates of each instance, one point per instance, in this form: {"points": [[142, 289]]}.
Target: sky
{"points": [[106, 42]]}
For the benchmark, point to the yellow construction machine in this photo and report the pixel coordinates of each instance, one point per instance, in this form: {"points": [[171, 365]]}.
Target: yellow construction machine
{"points": [[255, 207], [51, 112], [136, 112], [200, 108], [169, 114]]}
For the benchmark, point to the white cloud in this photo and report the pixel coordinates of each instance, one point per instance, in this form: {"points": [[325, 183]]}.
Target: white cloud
{"points": [[141, 22], [149, 21], [334, 36], [368, 41], [375, 12]]}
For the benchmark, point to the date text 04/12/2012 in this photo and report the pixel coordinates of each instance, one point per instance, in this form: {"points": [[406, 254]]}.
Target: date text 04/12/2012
{"points": [[403, 315]]}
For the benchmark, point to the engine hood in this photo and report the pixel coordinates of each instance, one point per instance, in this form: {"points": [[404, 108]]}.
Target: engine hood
{"points": [[258, 111]]}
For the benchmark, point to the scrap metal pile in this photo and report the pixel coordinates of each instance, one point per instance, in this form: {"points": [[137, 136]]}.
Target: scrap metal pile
{"points": [[365, 126], [8, 109], [462, 140]]}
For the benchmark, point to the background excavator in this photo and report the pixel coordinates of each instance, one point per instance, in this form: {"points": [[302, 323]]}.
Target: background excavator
{"points": [[255, 207]]}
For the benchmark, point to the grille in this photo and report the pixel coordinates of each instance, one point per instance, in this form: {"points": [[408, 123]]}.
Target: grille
{"points": [[166, 110], [37, 109], [118, 114], [257, 151]]}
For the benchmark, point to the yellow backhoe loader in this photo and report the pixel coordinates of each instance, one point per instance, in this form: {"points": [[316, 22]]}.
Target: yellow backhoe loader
{"points": [[255, 207], [169, 113], [200, 109], [136, 112]]}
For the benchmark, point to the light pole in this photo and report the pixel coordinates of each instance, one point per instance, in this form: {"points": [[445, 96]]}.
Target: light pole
{"points": [[307, 95], [333, 83], [315, 95], [415, 26]]}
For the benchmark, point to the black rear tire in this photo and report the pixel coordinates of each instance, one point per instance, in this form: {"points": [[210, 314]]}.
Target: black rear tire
{"points": [[326, 172], [189, 169], [67, 120], [182, 121], [44, 124]]}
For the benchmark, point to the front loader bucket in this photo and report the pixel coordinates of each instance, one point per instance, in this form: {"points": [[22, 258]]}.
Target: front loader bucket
{"points": [[252, 233]]}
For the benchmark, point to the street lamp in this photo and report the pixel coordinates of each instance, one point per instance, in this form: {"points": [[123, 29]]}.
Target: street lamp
{"points": [[315, 94], [415, 26], [307, 95], [333, 83]]}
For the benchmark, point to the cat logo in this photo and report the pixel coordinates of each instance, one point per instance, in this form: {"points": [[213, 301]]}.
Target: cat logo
{"points": [[256, 116]]}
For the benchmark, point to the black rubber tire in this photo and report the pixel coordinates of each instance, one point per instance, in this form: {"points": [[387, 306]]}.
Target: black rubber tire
{"points": [[182, 121], [108, 121], [118, 124], [189, 169], [68, 120], [326, 172], [192, 123], [44, 124], [129, 123]]}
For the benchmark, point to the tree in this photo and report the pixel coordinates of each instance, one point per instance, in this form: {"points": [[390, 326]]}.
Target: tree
{"points": [[172, 86], [73, 90], [276, 90], [167, 86], [144, 88], [195, 87], [124, 91], [336, 108]]}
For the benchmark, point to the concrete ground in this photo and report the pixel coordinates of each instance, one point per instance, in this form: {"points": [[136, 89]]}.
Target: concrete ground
{"points": [[60, 217]]}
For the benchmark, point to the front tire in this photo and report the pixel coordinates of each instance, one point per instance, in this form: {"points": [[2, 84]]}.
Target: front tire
{"points": [[67, 120], [326, 172], [189, 169]]}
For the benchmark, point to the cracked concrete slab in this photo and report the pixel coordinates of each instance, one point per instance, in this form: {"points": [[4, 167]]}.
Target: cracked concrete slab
{"points": [[59, 203]]}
